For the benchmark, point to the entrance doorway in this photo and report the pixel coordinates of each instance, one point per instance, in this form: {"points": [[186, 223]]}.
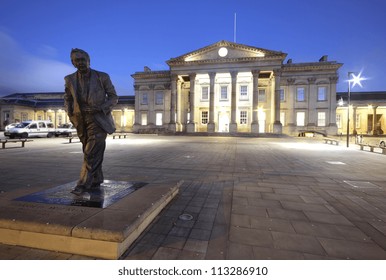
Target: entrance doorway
{"points": [[223, 122]]}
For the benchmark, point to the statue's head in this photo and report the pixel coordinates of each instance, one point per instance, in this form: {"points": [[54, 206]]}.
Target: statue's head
{"points": [[80, 59]]}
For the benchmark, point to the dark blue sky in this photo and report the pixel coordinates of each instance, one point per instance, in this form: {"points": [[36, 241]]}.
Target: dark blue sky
{"points": [[123, 36]]}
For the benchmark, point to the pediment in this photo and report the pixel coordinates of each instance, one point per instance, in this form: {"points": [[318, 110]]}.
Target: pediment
{"points": [[223, 51]]}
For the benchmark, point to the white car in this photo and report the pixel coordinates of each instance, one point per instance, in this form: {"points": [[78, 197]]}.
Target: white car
{"points": [[32, 129], [66, 129], [8, 127]]}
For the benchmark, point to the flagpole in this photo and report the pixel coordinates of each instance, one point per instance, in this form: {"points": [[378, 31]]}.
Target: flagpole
{"points": [[234, 29]]}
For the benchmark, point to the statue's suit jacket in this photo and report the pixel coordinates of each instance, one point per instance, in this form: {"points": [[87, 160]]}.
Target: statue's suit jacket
{"points": [[101, 95]]}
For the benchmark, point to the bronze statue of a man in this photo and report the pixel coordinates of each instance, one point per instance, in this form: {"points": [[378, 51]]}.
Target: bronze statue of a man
{"points": [[89, 98]]}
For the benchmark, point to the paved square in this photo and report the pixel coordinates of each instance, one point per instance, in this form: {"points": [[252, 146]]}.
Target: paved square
{"points": [[249, 198]]}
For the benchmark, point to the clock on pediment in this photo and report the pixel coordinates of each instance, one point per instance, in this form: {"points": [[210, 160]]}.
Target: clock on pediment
{"points": [[223, 52]]}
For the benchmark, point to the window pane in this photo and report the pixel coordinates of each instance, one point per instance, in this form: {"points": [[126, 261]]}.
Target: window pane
{"points": [[243, 117], [300, 118], [204, 117], [322, 93], [224, 93], [205, 93], [144, 119], [144, 99], [321, 119], [300, 94], [158, 120], [159, 98], [282, 95], [243, 92]]}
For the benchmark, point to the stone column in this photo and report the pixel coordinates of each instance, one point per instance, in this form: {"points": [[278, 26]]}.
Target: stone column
{"points": [[354, 119], [233, 124], [290, 98], [178, 106], [191, 126], [255, 102], [333, 128], [173, 102], [123, 123], [211, 124], [374, 131], [311, 101], [137, 112], [277, 126]]}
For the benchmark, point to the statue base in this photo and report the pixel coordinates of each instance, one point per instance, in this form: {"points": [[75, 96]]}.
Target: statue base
{"points": [[100, 223]]}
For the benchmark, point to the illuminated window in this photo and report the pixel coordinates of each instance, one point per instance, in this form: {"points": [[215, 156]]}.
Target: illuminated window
{"points": [[204, 117], [244, 92], [204, 93], [322, 93], [144, 99], [300, 94], [321, 119], [144, 119], [338, 120], [261, 97], [158, 119], [223, 93], [159, 98], [243, 117], [282, 118], [300, 118]]}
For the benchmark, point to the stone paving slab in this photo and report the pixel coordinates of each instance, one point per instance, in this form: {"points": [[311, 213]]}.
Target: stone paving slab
{"points": [[249, 198]]}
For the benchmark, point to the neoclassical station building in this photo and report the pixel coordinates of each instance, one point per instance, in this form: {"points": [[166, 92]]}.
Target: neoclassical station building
{"points": [[230, 87], [227, 87]]}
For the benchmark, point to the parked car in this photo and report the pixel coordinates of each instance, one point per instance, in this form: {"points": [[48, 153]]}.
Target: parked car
{"points": [[8, 127], [32, 129], [66, 129]]}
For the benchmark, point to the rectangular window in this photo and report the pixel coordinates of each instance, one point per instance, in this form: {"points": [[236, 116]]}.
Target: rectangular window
{"points": [[24, 117], [144, 119], [158, 119], [223, 93], [357, 121], [300, 94], [282, 95], [282, 118], [204, 117], [159, 98], [261, 97], [321, 119], [300, 118], [243, 117], [144, 99], [322, 93], [338, 120], [205, 93], [244, 92]]}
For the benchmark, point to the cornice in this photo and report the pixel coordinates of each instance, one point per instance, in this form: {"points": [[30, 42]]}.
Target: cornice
{"points": [[151, 74], [311, 66]]}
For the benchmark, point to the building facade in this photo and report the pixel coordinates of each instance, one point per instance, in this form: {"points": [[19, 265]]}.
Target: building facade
{"points": [[227, 88], [366, 113], [234, 88], [20, 107]]}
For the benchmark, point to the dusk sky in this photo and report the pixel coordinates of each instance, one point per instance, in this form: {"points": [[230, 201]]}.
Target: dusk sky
{"points": [[122, 37]]}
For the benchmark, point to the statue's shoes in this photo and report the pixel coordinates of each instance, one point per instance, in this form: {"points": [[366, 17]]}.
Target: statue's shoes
{"points": [[78, 190]]}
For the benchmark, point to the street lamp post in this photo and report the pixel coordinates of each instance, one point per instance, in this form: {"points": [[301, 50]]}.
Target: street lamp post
{"points": [[356, 79], [348, 109]]}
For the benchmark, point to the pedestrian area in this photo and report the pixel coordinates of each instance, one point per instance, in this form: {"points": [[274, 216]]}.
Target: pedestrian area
{"points": [[241, 197]]}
